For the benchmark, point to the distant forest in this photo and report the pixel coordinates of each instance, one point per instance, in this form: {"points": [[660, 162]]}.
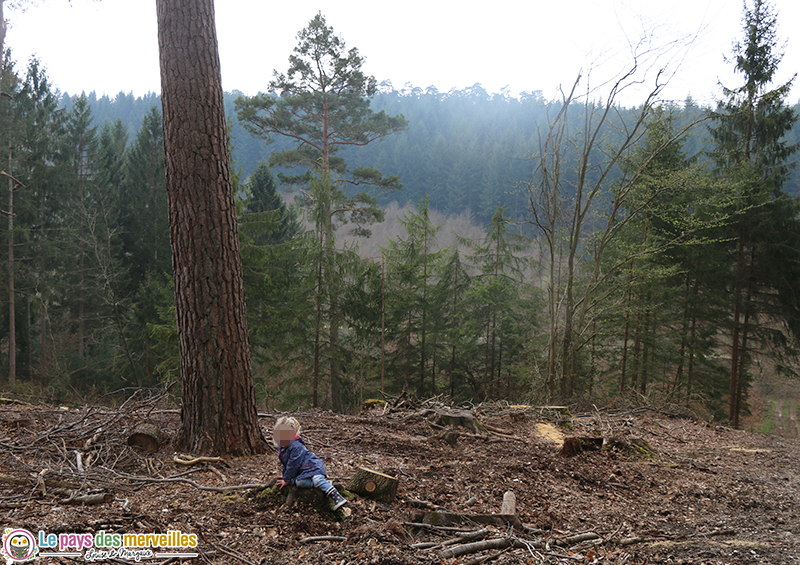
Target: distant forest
{"points": [[542, 252], [467, 150]]}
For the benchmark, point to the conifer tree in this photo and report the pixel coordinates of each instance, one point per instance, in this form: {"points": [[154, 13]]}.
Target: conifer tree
{"points": [[322, 105], [40, 208], [451, 297], [496, 288], [80, 150], [144, 221], [412, 268], [751, 151], [218, 412], [276, 280]]}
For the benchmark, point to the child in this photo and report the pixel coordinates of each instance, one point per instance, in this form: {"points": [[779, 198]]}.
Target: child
{"points": [[299, 465]]}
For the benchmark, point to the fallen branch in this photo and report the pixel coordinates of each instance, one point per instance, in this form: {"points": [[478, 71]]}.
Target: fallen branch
{"points": [[39, 481], [500, 543], [434, 528], [420, 503], [497, 430], [232, 553], [91, 499], [483, 558], [461, 538], [196, 460], [470, 500], [578, 538], [630, 541], [315, 539], [441, 518], [196, 485]]}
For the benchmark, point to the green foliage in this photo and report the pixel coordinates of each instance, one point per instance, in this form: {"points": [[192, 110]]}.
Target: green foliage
{"points": [[501, 302], [321, 105], [411, 270], [654, 264], [752, 153]]}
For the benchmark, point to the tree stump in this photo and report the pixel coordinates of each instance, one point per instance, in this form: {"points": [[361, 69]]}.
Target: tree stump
{"points": [[633, 447], [455, 418], [147, 437], [295, 492], [509, 506], [372, 484], [448, 436], [575, 445]]}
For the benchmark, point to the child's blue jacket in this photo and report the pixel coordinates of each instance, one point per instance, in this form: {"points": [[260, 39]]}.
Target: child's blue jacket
{"points": [[297, 462]]}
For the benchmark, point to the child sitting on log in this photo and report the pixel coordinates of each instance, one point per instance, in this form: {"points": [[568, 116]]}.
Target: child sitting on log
{"points": [[301, 467]]}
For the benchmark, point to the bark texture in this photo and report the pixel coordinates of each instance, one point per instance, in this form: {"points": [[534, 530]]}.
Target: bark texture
{"points": [[218, 413], [373, 484]]}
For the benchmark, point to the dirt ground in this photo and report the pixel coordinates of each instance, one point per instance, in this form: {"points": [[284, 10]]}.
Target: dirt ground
{"points": [[704, 494]]}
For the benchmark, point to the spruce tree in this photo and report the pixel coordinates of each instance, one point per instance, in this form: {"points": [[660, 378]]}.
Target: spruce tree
{"points": [[412, 269], [497, 290], [752, 153]]}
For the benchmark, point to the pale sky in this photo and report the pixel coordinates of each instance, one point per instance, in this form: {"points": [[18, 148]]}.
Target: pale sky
{"points": [[111, 46]]}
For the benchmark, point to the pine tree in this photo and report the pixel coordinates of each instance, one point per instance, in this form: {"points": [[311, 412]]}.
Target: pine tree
{"points": [[218, 403], [322, 105]]}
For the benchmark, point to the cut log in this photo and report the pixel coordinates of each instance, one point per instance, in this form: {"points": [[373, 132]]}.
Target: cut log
{"points": [[374, 485], [147, 437]]}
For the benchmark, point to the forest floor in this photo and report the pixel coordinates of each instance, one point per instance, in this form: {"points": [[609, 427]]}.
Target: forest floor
{"points": [[704, 494]]}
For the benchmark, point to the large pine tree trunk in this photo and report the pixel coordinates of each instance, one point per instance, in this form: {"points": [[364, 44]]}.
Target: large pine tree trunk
{"points": [[218, 414]]}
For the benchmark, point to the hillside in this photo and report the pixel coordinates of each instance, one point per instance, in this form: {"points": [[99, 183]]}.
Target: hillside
{"points": [[467, 150], [705, 494]]}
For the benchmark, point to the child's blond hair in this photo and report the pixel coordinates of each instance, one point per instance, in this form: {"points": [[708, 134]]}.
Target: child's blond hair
{"points": [[283, 423]]}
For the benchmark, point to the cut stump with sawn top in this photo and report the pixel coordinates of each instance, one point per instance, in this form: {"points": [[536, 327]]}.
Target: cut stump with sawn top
{"points": [[147, 437], [374, 485]]}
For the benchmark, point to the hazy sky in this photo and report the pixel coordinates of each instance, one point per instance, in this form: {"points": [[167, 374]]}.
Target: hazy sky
{"points": [[111, 46]]}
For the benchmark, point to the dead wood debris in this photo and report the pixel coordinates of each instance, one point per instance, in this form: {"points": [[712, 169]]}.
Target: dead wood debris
{"points": [[615, 506]]}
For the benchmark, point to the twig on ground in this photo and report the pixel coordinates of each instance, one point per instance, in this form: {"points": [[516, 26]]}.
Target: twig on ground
{"points": [[315, 539]]}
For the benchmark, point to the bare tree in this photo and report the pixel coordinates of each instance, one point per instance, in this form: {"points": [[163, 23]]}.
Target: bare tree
{"points": [[579, 169]]}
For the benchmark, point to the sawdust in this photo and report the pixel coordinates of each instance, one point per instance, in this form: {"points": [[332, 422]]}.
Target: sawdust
{"points": [[750, 450], [550, 433]]}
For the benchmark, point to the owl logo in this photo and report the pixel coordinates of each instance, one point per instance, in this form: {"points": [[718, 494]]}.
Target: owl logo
{"points": [[18, 545]]}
